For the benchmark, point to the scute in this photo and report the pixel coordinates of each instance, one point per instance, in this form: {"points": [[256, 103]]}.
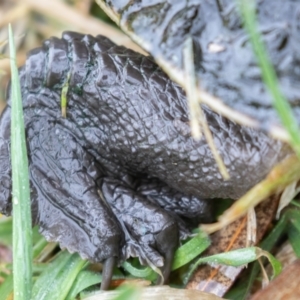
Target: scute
{"points": [[226, 66]]}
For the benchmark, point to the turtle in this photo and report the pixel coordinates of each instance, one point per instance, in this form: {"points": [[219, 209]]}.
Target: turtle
{"points": [[121, 175]]}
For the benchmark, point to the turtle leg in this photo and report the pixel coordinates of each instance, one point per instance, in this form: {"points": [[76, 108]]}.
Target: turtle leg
{"points": [[69, 209], [150, 232], [189, 210]]}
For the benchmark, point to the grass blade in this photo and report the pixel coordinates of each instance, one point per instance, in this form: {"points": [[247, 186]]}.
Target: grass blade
{"points": [[145, 272], [267, 244], [57, 279], [22, 231], [6, 288], [238, 257], [6, 231], [84, 280], [190, 250]]}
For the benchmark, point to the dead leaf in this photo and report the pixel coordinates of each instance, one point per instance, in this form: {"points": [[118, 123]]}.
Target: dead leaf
{"points": [[218, 279]]}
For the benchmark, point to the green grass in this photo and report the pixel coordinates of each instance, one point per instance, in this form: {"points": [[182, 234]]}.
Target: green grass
{"points": [[289, 224], [67, 274], [22, 228]]}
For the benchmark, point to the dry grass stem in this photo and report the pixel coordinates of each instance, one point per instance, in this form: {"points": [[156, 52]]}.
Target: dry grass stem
{"points": [[5, 63], [277, 180], [18, 12], [197, 118], [76, 21], [251, 228]]}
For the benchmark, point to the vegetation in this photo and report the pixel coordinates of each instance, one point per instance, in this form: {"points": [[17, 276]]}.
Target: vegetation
{"points": [[41, 270]]}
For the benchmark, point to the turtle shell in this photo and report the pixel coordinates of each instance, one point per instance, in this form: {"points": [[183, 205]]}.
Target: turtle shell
{"points": [[225, 64]]}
